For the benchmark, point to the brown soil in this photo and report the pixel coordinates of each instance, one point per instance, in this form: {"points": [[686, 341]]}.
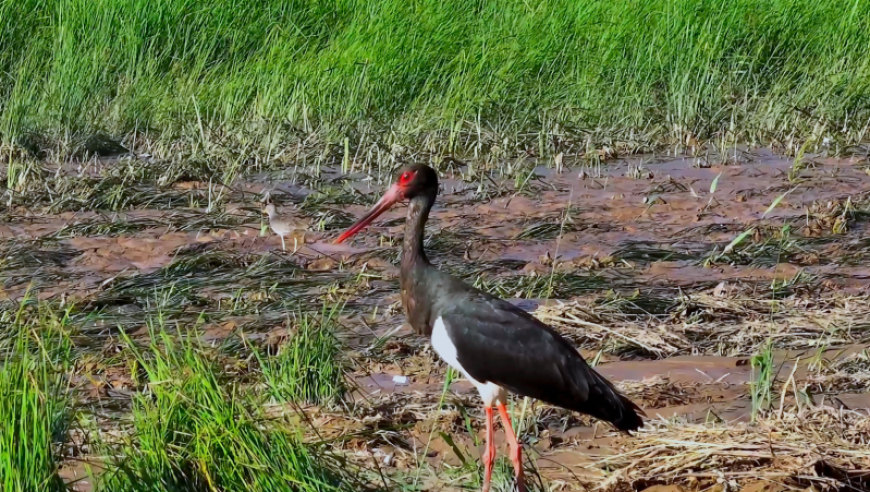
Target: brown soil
{"points": [[633, 256]]}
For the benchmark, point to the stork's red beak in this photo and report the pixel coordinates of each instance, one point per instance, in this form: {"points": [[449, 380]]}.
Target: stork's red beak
{"points": [[393, 195]]}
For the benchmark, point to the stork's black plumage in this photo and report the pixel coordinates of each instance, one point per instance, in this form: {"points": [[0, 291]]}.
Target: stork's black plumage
{"points": [[499, 343], [495, 344]]}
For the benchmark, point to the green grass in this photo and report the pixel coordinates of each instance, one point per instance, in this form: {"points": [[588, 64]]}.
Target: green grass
{"points": [[35, 410], [195, 430], [197, 418], [219, 71], [308, 367], [762, 379]]}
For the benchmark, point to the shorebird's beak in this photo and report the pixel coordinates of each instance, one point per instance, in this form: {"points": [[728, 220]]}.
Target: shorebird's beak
{"points": [[393, 195]]}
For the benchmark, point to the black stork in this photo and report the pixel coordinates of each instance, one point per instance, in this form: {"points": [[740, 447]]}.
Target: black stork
{"points": [[497, 346]]}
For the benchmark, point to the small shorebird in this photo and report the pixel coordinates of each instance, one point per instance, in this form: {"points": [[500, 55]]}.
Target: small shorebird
{"points": [[497, 346], [284, 226]]}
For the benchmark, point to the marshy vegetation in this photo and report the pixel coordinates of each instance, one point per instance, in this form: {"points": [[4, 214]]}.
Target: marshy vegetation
{"points": [[483, 77], [169, 344], [597, 167]]}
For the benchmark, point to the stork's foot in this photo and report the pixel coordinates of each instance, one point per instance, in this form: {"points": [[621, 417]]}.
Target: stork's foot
{"points": [[516, 454], [489, 454], [516, 458], [516, 451], [488, 461]]}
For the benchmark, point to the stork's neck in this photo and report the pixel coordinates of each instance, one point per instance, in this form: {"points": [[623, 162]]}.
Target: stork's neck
{"points": [[416, 269], [415, 225]]}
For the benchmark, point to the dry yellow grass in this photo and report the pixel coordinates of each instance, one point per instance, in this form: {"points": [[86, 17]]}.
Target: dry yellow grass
{"points": [[810, 446]]}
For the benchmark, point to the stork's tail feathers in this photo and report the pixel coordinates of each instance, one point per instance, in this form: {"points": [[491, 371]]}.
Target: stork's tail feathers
{"points": [[631, 416], [616, 408], [603, 401]]}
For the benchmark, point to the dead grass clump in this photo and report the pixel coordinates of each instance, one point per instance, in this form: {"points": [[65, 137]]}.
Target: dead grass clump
{"points": [[819, 446], [19, 254], [648, 251], [660, 392], [584, 323], [856, 364], [712, 324], [848, 374]]}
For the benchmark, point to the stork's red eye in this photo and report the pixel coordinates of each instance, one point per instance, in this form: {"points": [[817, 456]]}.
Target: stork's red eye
{"points": [[406, 177]]}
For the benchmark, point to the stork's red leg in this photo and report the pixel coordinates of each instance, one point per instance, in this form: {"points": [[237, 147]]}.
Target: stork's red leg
{"points": [[516, 451], [489, 454]]}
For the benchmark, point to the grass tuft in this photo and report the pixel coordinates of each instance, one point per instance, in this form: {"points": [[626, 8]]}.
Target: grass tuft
{"points": [[307, 368], [35, 408], [763, 379], [194, 431]]}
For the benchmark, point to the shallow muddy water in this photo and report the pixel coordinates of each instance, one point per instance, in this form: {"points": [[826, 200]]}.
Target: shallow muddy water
{"points": [[633, 260]]}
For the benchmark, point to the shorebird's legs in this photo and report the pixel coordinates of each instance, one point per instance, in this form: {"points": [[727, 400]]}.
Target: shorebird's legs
{"points": [[516, 450], [489, 454]]}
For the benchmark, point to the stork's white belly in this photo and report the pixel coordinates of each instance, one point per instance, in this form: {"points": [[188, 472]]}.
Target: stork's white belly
{"points": [[491, 393]]}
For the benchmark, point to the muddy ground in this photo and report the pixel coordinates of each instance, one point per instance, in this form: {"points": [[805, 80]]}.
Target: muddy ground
{"points": [[636, 260]]}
